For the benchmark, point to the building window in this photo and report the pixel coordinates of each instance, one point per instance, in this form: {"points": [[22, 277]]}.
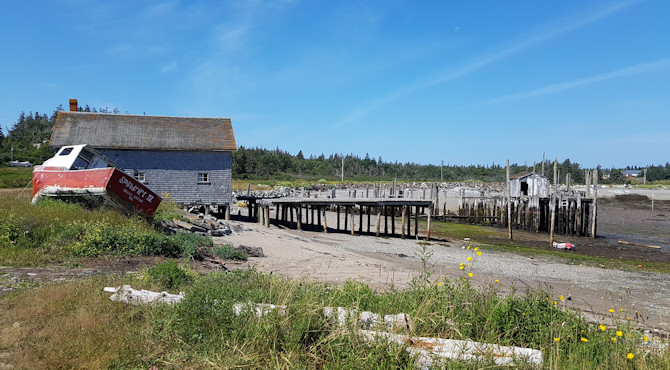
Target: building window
{"points": [[139, 176], [203, 178]]}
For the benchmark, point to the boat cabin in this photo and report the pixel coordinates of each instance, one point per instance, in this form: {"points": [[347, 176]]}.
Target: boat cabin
{"points": [[78, 157]]}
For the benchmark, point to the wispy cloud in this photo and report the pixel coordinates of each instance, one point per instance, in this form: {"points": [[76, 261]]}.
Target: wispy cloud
{"points": [[566, 26], [623, 72]]}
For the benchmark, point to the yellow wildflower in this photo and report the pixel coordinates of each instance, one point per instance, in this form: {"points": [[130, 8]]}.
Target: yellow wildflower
{"points": [[561, 298], [603, 327], [439, 284], [630, 356], [611, 310], [461, 268], [557, 339], [613, 339], [469, 258], [584, 340], [646, 339], [469, 274], [479, 253], [619, 333], [496, 281]]}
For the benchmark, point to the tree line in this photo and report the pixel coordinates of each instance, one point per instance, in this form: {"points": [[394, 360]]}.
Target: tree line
{"points": [[28, 140]]}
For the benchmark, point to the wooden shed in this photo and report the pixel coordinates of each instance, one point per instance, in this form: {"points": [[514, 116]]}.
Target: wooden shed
{"points": [[528, 184], [184, 159]]}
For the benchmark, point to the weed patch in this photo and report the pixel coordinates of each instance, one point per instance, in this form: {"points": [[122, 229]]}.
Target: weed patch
{"points": [[227, 252]]}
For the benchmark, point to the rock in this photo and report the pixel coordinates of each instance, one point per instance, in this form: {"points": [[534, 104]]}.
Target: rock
{"points": [[219, 232], [251, 251], [236, 228]]}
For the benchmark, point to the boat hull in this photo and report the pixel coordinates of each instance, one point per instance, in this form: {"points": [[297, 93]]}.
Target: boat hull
{"points": [[100, 185]]}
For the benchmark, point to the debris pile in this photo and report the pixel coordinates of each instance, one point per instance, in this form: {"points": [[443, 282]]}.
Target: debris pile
{"points": [[204, 225]]}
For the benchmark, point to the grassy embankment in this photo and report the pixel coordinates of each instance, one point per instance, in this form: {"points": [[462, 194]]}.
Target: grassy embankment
{"points": [[63, 233]]}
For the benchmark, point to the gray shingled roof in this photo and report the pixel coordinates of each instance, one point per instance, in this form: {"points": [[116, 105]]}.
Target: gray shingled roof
{"points": [[123, 131]]}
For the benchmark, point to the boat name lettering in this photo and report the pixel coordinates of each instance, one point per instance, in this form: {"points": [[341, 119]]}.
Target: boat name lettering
{"points": [[136, 189]]}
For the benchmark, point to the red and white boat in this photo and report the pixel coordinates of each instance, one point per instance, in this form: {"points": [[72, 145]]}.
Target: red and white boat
{"points": [[79, 172]]}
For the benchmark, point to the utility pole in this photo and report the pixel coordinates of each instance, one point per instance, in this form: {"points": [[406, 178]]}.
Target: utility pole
{"points": [[342, 169]]}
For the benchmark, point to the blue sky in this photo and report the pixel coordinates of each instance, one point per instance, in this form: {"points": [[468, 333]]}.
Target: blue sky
{"points": [[464, 82]]}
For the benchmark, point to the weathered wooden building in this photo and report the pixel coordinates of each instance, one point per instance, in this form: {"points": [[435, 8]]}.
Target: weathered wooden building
{"points": [[528, 184], [187, 160]]}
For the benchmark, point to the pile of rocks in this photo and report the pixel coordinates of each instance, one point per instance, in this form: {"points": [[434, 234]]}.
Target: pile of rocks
{"points": [[280, 192], [204, 225]]}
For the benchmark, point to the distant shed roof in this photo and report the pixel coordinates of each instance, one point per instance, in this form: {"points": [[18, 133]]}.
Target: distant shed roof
{"points": [[520, 175], [123, 131]]}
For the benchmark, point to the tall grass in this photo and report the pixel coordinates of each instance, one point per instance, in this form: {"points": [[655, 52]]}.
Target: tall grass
{"points": [[15, 177], [75, 325], [56, 231]]}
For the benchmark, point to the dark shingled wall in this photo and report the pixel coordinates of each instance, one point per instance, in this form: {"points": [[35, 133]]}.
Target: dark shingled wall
{"points": [[176, 173]]}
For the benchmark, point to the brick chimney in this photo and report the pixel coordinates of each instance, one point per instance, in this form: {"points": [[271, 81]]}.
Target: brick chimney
{"points": [[73, 105]]}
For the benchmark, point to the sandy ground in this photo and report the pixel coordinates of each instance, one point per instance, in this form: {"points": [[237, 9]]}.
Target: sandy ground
{"points": [[386, 263]]}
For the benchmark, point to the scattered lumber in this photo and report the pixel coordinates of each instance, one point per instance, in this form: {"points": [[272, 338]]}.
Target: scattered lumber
{"points": [[639, 245]]}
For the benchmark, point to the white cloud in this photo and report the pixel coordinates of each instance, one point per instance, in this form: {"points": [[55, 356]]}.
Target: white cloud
{"points": [[564, 27], [623, 72]]}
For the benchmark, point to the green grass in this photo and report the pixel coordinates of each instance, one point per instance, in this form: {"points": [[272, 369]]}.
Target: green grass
{"points": [[203, 331], [15, 177], [56, 232]]}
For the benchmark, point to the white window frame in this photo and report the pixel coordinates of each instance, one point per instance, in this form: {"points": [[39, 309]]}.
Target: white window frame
{"points": [[140, 176], [203, 178]]}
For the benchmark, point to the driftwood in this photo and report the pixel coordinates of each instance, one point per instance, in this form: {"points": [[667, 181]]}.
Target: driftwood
{"points": [[135, 297], [639, 245], [426, 349]]}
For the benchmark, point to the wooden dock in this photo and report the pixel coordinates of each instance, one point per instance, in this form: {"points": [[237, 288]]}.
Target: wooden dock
{"points": [[573, 215], [310, 213]]}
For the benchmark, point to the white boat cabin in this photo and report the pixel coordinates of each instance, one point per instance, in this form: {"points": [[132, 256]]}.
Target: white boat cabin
{"points": [[78, 157]]}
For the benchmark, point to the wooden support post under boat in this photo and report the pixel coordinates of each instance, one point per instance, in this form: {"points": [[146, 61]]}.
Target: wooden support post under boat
{"points": [[368, 211], [392, 220], [360, 219], [352, 220], [318, 217], [228, 212]]}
